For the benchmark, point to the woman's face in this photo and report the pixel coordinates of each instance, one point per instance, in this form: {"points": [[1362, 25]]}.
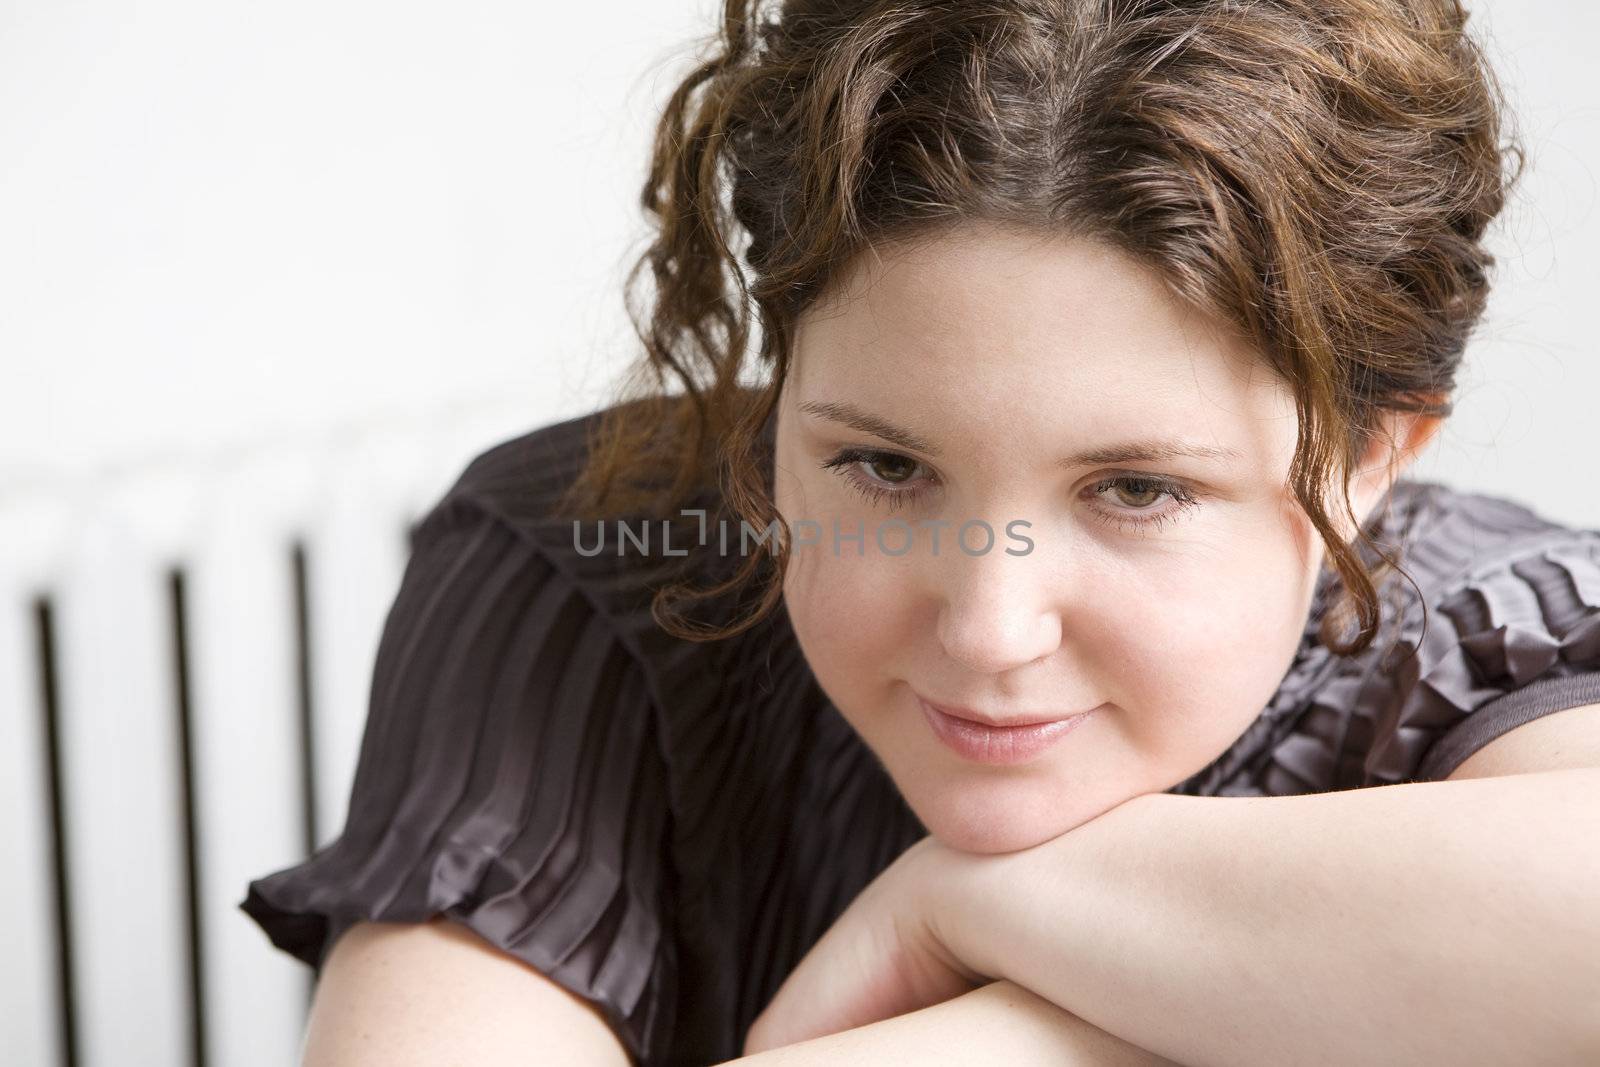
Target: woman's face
{"points": [[1005, 378]]}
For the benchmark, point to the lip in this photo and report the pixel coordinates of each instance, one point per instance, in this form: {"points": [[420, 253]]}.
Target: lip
{"points": [[988, 720], [997, 745]]}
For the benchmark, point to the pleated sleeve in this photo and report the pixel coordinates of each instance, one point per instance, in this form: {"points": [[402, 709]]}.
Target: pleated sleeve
{"points": [[1508, 644], [509, 778]]}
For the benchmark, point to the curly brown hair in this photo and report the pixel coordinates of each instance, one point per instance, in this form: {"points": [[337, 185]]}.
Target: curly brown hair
{"points": [[1319, 173]]}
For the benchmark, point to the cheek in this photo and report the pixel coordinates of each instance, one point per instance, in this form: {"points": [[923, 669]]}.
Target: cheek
{"points": [[1200, 647], [849, 612], [846, 613]]}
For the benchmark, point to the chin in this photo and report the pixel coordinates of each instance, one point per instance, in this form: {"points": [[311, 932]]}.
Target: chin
{"points": [[993, 816]]}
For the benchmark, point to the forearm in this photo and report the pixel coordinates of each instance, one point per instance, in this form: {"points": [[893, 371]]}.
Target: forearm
{"points": [[1433, 922], [998, 1023]]}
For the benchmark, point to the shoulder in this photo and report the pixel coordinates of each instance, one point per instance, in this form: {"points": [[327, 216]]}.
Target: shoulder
{"points": [[516, 767], [509, 494], [1505, 629], [543, 763], [1447, 535], [518, 484], [520, 479]]}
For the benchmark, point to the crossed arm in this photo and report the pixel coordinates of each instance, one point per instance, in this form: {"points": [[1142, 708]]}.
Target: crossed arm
{"points": [[997, 1023], [1454, 921]]}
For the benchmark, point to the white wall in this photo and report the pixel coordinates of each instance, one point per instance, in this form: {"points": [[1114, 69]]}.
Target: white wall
{"points": [[224, 221], [1524, 425]]}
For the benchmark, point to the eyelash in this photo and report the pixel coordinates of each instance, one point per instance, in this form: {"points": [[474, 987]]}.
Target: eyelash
{"points": [[846, 459]]}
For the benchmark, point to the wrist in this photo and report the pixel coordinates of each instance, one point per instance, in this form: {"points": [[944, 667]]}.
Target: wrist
{"points": [[965, 888], [990, 910]]}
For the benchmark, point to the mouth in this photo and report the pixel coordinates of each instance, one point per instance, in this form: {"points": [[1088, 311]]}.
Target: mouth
{"points": [[986, 742], [1000, 720]]}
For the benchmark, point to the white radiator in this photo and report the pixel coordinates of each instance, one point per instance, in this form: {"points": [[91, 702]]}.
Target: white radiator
{"points": [[185, 653]]}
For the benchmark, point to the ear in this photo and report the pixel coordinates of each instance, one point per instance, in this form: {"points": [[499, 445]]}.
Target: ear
{"points": [[1400, 438]]}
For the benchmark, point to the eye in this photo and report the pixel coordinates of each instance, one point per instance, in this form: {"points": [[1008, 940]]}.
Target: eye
{"points": [[880, 476], [1140, 492], [877, 475]]}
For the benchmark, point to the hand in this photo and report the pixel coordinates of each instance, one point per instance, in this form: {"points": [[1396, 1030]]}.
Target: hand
{"points": [[880, 958]]}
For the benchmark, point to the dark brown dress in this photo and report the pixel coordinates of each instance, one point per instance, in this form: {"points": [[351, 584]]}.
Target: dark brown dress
{"points": [[664, 827]]}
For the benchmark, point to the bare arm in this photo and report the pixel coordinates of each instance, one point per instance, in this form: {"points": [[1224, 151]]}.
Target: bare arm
{"points": [[409, 994], [997, 1023], [1426, 922]]}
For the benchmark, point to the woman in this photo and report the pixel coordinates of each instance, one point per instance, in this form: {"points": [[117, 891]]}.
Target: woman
{"points": [[1203, 735]]}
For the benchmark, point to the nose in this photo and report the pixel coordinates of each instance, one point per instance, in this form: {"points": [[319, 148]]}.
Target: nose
{"points": [[998, 611]]}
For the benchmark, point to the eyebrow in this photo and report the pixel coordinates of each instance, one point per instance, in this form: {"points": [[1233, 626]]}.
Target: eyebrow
{"points": [[1124, 452]]}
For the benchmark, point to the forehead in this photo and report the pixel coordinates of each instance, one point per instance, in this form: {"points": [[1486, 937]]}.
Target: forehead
{"points": [[996, 317]]}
